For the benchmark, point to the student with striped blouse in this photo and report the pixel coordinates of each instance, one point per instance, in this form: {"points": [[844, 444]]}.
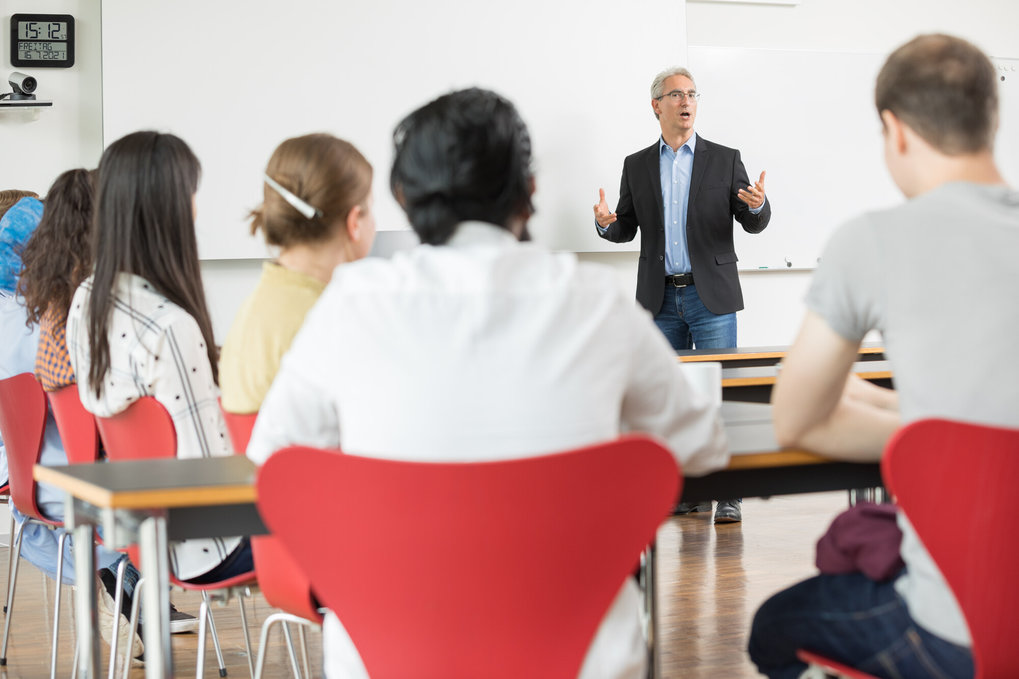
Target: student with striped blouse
{"points": [[139, 326]]}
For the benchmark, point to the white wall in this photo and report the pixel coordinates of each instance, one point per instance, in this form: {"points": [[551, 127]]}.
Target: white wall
{"points": [[854, 25], [773, 299], [70, 134], [37, 145]]}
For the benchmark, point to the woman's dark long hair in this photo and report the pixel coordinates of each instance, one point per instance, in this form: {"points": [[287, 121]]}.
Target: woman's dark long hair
{"points": [[58, 257], [145, 226]]}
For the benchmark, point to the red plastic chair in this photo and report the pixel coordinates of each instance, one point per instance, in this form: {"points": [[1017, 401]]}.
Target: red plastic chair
{"points": [[145, 430], [239, 425], [493, 569], [929, 460], [77, 426], [821, 667], [280, 578], [22, 426]]}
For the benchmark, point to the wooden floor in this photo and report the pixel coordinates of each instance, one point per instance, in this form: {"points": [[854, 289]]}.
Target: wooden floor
{"points": [[711, 580]]}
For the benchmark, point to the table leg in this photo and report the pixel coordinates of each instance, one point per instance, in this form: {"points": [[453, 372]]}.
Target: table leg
{"points": [[88, 619], [647, 581], [155, 565]]}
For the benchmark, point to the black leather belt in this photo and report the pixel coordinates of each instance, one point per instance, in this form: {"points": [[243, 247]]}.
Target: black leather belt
{"points": [[679, 280]]}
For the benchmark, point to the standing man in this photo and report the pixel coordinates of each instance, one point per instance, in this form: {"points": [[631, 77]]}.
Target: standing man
{"points": [[683, 192]]}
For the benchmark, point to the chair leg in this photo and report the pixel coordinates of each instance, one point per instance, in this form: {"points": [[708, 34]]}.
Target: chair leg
{"points": [[266, 627], [135, 604], [203, 614], [11, 561], [247, 638], [56, 603], [11, 586], [304, 650], [10, 552], [215, 636], [118, 602], [290, 650]]}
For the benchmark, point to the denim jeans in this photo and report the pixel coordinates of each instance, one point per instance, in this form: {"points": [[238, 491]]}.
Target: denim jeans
{"points": [[853, 620], [687, 323]]}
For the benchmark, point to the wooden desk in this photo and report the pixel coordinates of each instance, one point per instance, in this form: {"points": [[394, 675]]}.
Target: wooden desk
{"points": [[745, 357], [153, 501], [759, 468], [149, 502], [753, 384]]}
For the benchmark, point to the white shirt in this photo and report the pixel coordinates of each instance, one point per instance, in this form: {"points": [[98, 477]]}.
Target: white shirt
{"points": [[156, 349], [484, 349]]}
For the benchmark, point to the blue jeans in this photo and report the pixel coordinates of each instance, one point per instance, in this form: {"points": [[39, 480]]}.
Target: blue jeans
{"points": [[687, 323], [855, 621]]}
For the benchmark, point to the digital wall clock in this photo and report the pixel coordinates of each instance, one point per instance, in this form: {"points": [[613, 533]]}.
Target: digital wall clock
{"points": [[42, 40]]}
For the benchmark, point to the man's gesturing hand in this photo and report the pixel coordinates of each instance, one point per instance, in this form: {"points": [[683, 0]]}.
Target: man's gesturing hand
{"points": [[753, 195], [601, 210]]}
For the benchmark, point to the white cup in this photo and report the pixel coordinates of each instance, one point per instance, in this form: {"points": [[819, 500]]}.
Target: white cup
{"points": [[705, 377]]}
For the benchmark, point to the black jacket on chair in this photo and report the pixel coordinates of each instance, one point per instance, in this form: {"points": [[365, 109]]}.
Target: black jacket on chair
{"points": [[717, 175]]}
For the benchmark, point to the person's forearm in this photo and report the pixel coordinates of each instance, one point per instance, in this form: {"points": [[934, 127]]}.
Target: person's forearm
{"points": [[855, 431], [870, 393]]}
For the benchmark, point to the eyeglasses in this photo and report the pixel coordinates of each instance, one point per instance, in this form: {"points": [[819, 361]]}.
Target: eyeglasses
{"points": [[680, 95]]}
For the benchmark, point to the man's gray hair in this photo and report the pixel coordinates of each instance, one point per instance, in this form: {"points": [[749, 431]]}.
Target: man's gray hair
{"points": [[658, 84]]}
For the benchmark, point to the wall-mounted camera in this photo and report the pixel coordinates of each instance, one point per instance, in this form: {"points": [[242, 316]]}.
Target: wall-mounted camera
{"points": [[23, 85], [23, 96]]}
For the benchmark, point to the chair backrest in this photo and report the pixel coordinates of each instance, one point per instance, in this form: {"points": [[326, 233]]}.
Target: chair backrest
{"points": [[280, 578], [494, 569], [144, 430], [77, 426], [239, 425], [284, 585], [976, 549], [22, 426]]}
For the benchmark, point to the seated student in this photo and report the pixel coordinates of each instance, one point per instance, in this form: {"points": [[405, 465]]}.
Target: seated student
{"points": [[9, 197], [317, 210], [55, 260], [139, 325], [17, 355], [938, 100], [478, 346], [18, 343]]}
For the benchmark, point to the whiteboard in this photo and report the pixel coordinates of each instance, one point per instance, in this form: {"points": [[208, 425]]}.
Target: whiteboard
{"points": [[808, 119], [235, 79]]}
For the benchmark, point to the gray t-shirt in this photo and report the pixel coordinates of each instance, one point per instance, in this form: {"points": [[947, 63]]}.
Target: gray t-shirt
{"points": [[935, 277]]}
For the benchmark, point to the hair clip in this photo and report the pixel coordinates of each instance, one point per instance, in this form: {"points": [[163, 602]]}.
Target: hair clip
{"points": [[309, 211]]}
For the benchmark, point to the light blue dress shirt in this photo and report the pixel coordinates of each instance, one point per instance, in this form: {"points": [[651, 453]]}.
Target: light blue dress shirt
{"points": [[675, 168]]}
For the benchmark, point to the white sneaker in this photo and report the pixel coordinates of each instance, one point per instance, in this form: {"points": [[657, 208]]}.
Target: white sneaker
{"points": [[107, 590]]}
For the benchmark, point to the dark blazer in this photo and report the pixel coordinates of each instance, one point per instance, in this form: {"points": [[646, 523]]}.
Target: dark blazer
{"points": [[717, 175]]}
